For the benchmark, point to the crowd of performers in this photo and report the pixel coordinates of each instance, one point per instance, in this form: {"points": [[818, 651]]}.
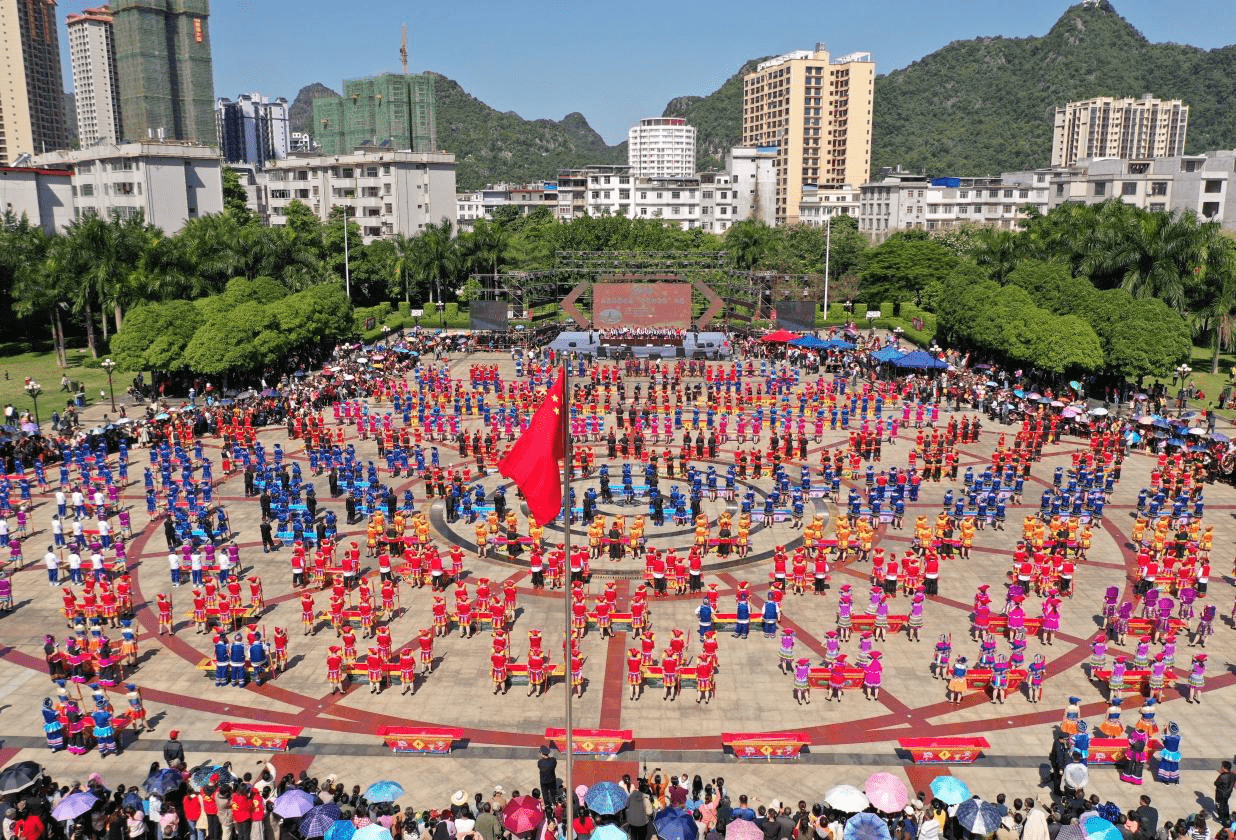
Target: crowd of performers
{"points": [[72, 722], [666, 426]]}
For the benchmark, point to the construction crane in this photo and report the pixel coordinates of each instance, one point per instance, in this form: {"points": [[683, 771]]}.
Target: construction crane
{"points": [[403, 50]]}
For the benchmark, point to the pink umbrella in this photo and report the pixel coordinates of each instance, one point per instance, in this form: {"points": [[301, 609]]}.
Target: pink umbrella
{"points": [[743, 830], [886, 792], [522, 814], [1070, 412]]}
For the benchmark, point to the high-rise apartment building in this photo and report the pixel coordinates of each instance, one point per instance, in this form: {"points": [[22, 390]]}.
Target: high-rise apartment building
{"points": [[31, 86], [661, 147], [253, 129], [1130, 129], [815, 111], [96, 91], [390, 111], [163, 62]]}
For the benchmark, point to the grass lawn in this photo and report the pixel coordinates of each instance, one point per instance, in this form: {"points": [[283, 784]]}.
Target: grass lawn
{"points": [[42, 368], [1211, 383]]}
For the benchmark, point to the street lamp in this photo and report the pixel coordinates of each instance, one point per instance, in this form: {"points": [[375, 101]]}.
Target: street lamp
{"points": [[109, 366], [34, 389], [1183, 372]]}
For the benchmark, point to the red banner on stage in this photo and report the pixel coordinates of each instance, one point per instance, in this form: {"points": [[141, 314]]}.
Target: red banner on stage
{"points": [[641, 305]]}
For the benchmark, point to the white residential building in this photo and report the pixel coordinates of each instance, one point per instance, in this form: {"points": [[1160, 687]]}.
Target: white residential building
{"points": [[753, 176], [718, 201], [1202, 184], [661, 147], [253, 129], [388, 193], [96, 92], [819, 204], [481, 204], [902, 201], [168, 182], [44, 196]]}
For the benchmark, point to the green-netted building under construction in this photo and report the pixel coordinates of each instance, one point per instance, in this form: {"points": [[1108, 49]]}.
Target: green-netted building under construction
{"points": [[391, 110]]}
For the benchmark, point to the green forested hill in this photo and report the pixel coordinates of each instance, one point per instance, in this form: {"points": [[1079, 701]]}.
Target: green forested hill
{"points": [[491, 146], [717, 118], [981, 106], [975, 107]]}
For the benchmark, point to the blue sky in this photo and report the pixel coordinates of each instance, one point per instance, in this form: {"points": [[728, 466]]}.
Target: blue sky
{"points": [[615, 61]]}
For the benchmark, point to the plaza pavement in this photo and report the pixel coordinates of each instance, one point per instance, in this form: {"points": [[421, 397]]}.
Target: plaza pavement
{"points": [[849, 741]]}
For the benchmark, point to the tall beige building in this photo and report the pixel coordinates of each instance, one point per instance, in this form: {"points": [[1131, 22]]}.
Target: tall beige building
{"points": [[31, 87], [816, 111], [1127, 128], [96, 93]]}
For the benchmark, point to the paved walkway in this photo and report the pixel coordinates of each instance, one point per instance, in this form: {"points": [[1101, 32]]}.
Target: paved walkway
{"points": [[848, 741]]}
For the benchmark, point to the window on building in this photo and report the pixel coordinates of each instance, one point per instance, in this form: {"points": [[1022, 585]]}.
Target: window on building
{"points": [[707, 194], [1214, 186], [348, 172], [1008, 193], [87, 189], [1158, 187], [1190, 165], [596, 194], [1157, 207], [675, 195], [963, 194], [1100, 188], [643, 196], [1060, 189], [1023, 193], [1210, 209], [1128, 188]]}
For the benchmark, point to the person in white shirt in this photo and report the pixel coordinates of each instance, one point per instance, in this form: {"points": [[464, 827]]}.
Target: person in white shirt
{"points": [[62, 502], [57, 529], [4, 531], [79, 503], [96, 566], [195, 567], [99, 499], [105, 532], [78, 539], [173, 565], [75, 566], [52, 562]]}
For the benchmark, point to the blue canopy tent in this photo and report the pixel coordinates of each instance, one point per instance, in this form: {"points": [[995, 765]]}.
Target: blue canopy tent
{"points": [[838, 344], [810, 342], [919, 360], [887, 354]]}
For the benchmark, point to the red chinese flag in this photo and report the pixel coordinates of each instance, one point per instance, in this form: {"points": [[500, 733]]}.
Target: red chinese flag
{"points": [[532, 462]]}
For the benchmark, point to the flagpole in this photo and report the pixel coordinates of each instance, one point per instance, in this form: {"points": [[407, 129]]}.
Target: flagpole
{"points": [[565, 419]]}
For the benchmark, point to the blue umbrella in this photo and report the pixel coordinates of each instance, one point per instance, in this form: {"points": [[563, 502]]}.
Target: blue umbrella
{"points": [[385, 791], [163, 781], [977, 816], [609, 831], [950, 790], [1097, 828], [605, 798], [293, 803], [866, 826], [675, 824], [373, 831], [341, 830], [318, 819], [133, 800]]}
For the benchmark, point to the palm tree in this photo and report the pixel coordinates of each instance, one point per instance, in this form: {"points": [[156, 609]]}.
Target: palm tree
{"points": [[438, 257], [997, 251], [747, 243]]}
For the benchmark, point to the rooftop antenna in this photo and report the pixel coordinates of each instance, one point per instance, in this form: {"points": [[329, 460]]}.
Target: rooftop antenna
{"points": [[403, 50]]}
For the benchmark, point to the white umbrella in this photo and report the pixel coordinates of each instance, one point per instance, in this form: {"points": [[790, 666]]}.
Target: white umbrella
{"points": [[846, 798]]}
